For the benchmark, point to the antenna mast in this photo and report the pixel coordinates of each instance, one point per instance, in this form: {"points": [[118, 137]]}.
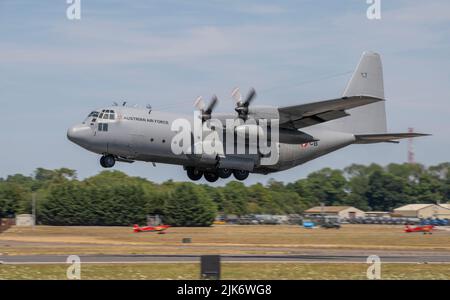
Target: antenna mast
{"points": [[410, 148]]}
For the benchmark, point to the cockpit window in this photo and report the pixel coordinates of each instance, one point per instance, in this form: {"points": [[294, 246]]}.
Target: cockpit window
{"points": [[105, 114], [93, 114], [108, 114]]}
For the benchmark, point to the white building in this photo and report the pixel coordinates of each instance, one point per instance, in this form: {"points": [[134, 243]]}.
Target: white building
{"points": [[348, 212], [423, 211], [24, 220]]}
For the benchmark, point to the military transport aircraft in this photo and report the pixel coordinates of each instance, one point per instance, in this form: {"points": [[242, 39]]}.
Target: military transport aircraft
{"points": [[303, 132]]}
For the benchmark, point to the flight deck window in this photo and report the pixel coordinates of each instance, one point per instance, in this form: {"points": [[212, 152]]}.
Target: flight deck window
{"points": [[108, 115], [102, 127]]}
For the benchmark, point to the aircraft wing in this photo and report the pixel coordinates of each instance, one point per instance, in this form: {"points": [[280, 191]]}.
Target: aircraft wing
{"points": [[303, 115], [385, 137]]}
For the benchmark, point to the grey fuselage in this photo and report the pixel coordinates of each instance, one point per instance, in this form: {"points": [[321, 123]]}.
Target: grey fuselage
{"points": [[138, 134]]}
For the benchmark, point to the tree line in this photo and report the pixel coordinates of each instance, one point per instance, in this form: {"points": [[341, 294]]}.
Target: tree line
{"points": [[114, 198]]}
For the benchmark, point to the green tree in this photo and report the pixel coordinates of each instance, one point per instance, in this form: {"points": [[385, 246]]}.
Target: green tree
{"points": [[235, 198], [189, 205], [327, 186], [386, 191], [78, 203]]}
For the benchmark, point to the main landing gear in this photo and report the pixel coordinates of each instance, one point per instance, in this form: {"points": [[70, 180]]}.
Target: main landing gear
{"points": [[213, 175], [240, 174], [107, 161], [193, 173]]}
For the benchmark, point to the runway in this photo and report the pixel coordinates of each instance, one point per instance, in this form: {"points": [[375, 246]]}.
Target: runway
{"points": [[135, 258]]}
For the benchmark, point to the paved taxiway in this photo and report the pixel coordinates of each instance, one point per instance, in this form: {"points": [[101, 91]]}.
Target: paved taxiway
{"points": [[133, 258]]}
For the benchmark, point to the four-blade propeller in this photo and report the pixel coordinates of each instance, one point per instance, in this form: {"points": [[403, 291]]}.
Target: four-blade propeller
{"points": [[241, 104], [200, 105]]}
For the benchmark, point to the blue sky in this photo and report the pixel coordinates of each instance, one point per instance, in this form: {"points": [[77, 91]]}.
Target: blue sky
{"points": [[53, 71]]}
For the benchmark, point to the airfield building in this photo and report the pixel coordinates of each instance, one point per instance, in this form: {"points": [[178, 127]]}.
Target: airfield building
{"points": [[24, 220], [378, 214], [423, 211], [341, 212], [445, 205]]}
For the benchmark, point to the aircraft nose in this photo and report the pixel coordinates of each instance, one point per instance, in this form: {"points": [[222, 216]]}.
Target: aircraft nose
{"points": [[78, 133]]}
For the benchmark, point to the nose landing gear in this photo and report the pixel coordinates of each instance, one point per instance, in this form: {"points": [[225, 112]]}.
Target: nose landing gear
{"points": [[107, 161]]}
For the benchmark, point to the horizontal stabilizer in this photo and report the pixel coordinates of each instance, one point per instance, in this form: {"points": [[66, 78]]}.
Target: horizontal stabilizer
{"points": [[385, 137], [303, 115]]}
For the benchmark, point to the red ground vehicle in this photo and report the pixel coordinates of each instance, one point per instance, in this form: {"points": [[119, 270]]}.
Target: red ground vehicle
{"points": [[160, 228], [423, 228]]}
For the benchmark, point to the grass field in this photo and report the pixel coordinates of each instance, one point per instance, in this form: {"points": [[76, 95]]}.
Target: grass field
{"points": [[222, 239], [229, 271]]}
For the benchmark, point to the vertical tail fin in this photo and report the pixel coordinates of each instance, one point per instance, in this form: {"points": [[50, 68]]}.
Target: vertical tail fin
{"points": [[367, 80]]}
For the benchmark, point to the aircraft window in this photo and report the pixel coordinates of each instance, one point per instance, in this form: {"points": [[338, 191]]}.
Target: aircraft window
{"points": [[93, 114], [94, 119], [112, 111], [111, 116], [101, 116], [102, 127]]}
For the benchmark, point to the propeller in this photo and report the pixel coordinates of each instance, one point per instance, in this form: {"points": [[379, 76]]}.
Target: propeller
{"points": [[242, 105], [206, 111]]}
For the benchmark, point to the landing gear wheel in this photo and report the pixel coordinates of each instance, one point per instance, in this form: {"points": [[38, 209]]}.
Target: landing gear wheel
{"points": [[194, 174], [224, 173], [211, 177], [102, 162], [107, 161], [240, 174]]}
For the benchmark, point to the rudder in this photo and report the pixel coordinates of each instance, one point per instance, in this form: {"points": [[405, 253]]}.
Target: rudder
{"points": [[367, 80]]}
